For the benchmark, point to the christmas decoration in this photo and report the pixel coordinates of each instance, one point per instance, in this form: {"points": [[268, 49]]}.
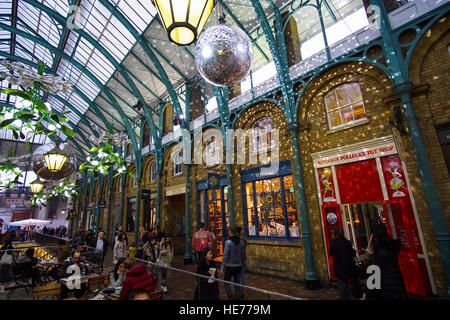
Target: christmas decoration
{"points": [[224, 55]]}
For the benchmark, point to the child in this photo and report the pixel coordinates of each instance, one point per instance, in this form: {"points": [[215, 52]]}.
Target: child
{"points": [[131, 252]]}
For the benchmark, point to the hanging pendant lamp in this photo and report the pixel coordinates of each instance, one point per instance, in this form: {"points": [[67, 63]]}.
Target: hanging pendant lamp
{"points": [[36, 186], [183, 20], [55, 158]]}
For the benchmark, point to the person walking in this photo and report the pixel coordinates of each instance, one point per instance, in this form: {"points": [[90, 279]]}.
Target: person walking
{"points": [[233, 260], [213, 243], [165, 258], [384, 255], [120, 249], [200, 241], [343, 265], [207, 289]]}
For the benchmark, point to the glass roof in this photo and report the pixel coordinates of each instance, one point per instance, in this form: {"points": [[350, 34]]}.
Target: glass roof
{"points": [[94, 43]]}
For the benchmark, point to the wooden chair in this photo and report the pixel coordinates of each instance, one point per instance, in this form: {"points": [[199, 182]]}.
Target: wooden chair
{"points": [[156, 295], [52, 289]]}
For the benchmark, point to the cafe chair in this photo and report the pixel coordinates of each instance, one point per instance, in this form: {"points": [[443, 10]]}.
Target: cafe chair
{"points": [[22, 280], [51, 289]]}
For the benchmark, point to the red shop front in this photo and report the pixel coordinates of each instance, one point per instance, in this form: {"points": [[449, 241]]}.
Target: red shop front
{"points": [[364, 185]]}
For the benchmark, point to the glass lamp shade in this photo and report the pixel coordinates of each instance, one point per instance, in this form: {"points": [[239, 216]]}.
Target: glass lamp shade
{"points": [[183, 20], [55, 159], [36, 186]]}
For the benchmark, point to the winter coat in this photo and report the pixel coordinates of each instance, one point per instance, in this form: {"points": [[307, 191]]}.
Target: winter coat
{"points": [[234, 253], [200, 240], [206, 290], [120, 251], [165, 254], [151, 253], [392, 285], [137, 277], [343, 253]]}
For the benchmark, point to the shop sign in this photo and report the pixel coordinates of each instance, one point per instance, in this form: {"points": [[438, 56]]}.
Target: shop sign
{"points": [[357, 155], [102, 204]]}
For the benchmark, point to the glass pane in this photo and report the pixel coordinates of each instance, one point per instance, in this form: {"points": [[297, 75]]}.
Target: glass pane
{"points": [[250, 209], [217, 191], [342, 96], [330, 101], [358, 111], [335, 119], [354, 92], [347, 114], [210, 193], [291, 206]]}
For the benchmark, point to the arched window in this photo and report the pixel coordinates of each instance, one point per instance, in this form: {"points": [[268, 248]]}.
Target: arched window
{"points": [[153, 172], [344, 105], [146, 135], [262, 134], [178, 164]]}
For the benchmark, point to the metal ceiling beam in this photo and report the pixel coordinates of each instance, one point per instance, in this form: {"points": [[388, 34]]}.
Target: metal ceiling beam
{"points": [[236, 20], [61, 20]]}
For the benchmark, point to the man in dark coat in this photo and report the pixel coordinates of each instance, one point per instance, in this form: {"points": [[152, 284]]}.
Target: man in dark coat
{"points": [[101, 244], [384, 255], [343, 264]]}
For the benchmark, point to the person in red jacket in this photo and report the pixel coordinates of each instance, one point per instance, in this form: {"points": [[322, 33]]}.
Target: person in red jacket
{"points": [[200, 241], [137, 277]]}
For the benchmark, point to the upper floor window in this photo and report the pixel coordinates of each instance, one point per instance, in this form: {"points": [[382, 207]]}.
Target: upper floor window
{"points": [[153, 172], [344, 105], [262, 134], [212, 156], [178, 164]]}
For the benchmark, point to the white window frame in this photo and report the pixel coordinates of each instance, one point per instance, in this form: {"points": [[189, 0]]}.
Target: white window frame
{"points": [[334, 90], [211, 153]]}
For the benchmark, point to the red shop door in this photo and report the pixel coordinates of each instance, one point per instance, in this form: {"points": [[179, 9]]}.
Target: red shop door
{"points": [[399, 228], [332, 220]]}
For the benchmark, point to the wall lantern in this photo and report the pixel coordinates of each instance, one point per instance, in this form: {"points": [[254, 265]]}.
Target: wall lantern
{"points": [[183, 20], [55, 158], [36, 186]]}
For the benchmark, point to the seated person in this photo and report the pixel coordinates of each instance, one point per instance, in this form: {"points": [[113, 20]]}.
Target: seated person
{"points": [[74, 260], [118, 274], [27, 263], [137, 277], [6, 263], [139, 294]]}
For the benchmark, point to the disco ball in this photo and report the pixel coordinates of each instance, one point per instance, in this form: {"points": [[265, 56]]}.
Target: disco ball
{"points": [[39, 165], [224, 55]]}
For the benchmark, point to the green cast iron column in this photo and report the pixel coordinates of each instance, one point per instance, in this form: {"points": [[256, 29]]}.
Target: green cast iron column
{"points": [[122, 201], [110, 204], [187, 218], [230, 195], [437, 218], [311, 277], [159, 169], [138, 208]]}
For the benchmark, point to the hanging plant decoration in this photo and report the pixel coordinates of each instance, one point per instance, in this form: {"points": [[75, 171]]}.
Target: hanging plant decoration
{"points": [[30, 112], [104, 159]]}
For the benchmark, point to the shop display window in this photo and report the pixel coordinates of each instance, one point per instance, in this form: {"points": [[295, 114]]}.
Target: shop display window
{"points": [[344, 105], [262, 134], [272, 208]]}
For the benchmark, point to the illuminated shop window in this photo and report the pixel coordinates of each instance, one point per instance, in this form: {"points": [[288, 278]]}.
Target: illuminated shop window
{"points": [[262, 134], [153, 172], [271, 209], [344, 105], [178, 164]]}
